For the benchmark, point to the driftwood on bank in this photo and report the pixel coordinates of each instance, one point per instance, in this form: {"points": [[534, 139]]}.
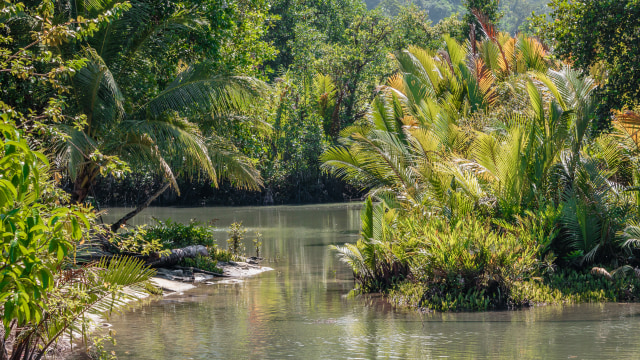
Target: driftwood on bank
{"points": [[109, 250], [176, 255]]}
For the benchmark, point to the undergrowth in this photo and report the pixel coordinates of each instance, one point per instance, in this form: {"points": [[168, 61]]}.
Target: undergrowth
{"points": [[202, 263], [173, 235], [563, 287]]}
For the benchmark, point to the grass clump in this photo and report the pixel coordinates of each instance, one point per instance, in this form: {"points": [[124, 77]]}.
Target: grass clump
{"points": [[206, 263], [220, 255]]}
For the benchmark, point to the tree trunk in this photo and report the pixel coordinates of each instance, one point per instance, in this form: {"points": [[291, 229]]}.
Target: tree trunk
{"points": [[123, 221], [335, 117], [83, 183], [178, 254], [196, 270]]}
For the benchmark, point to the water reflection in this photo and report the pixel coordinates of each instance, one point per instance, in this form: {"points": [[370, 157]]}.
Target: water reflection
{"points": [[301, 310]]}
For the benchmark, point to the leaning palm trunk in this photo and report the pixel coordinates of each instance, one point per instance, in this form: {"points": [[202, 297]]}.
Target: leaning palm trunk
{"points": [[82, 184], [118, 224]]}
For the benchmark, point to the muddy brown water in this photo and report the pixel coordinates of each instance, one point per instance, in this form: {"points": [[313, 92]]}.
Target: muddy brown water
{"points": [[301, 309]]}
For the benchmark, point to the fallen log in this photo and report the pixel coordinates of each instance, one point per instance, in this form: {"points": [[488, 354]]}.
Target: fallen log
{"points": [[176, 255]]}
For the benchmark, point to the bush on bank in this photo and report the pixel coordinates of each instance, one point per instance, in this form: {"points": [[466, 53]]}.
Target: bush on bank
{"points": [[474, 264], [166, 235]]}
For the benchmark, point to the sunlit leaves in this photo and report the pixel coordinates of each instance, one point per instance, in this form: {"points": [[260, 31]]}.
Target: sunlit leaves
{"points": [[34, 236]]}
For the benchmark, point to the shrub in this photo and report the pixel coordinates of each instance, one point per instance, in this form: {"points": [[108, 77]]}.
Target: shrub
{"points": [[236, 234], [174, 235], [433, 297], [467, 265], [137, 240], [220, 254], [470, 249], [257, 244]]}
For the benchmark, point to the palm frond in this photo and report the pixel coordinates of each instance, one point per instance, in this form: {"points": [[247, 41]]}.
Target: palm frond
{"points": [[230, 164], [106, 286], [179, 142], [196, 88], [628, 124], [97, 94], [72, 152], [630, 236]]}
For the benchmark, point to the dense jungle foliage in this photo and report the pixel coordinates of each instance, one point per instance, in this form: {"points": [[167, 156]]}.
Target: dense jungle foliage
{"points": [[500, 154]]}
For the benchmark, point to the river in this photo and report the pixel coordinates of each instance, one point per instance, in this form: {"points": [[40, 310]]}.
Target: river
{"points": [[302, 310]]}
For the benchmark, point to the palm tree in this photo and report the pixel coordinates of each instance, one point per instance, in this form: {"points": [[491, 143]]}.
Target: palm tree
{"points": [[374, 262], [412, 134], [508, 56], [158, 134]]}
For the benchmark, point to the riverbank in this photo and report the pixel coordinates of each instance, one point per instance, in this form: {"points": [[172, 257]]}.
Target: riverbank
{"points": [[565, 287], [172, 283], [177, 281]]}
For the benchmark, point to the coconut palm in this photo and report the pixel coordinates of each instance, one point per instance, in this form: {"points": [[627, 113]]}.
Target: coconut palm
{"points": [[160, 133]]}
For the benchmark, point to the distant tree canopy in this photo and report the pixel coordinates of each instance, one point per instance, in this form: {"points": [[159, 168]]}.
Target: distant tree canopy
{"points": [[603, 37], [309, 22], [514, 13]]}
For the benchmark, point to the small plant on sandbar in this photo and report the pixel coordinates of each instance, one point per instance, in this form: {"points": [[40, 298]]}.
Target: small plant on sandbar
{"points": [[236, 234], [257, 244]]}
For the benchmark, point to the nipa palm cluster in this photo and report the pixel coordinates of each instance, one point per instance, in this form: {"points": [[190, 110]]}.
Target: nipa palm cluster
{"points": [[489, 169]]}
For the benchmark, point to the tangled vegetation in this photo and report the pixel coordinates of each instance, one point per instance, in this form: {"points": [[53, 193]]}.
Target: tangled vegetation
{"points": [[494, 186], [173, 235]]}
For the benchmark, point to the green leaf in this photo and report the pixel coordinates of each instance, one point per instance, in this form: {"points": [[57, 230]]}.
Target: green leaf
{"points": [[76, 230], [45, 278]]}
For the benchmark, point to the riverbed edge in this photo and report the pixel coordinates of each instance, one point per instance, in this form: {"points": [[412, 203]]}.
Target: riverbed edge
{"points": [[232, 271]]}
